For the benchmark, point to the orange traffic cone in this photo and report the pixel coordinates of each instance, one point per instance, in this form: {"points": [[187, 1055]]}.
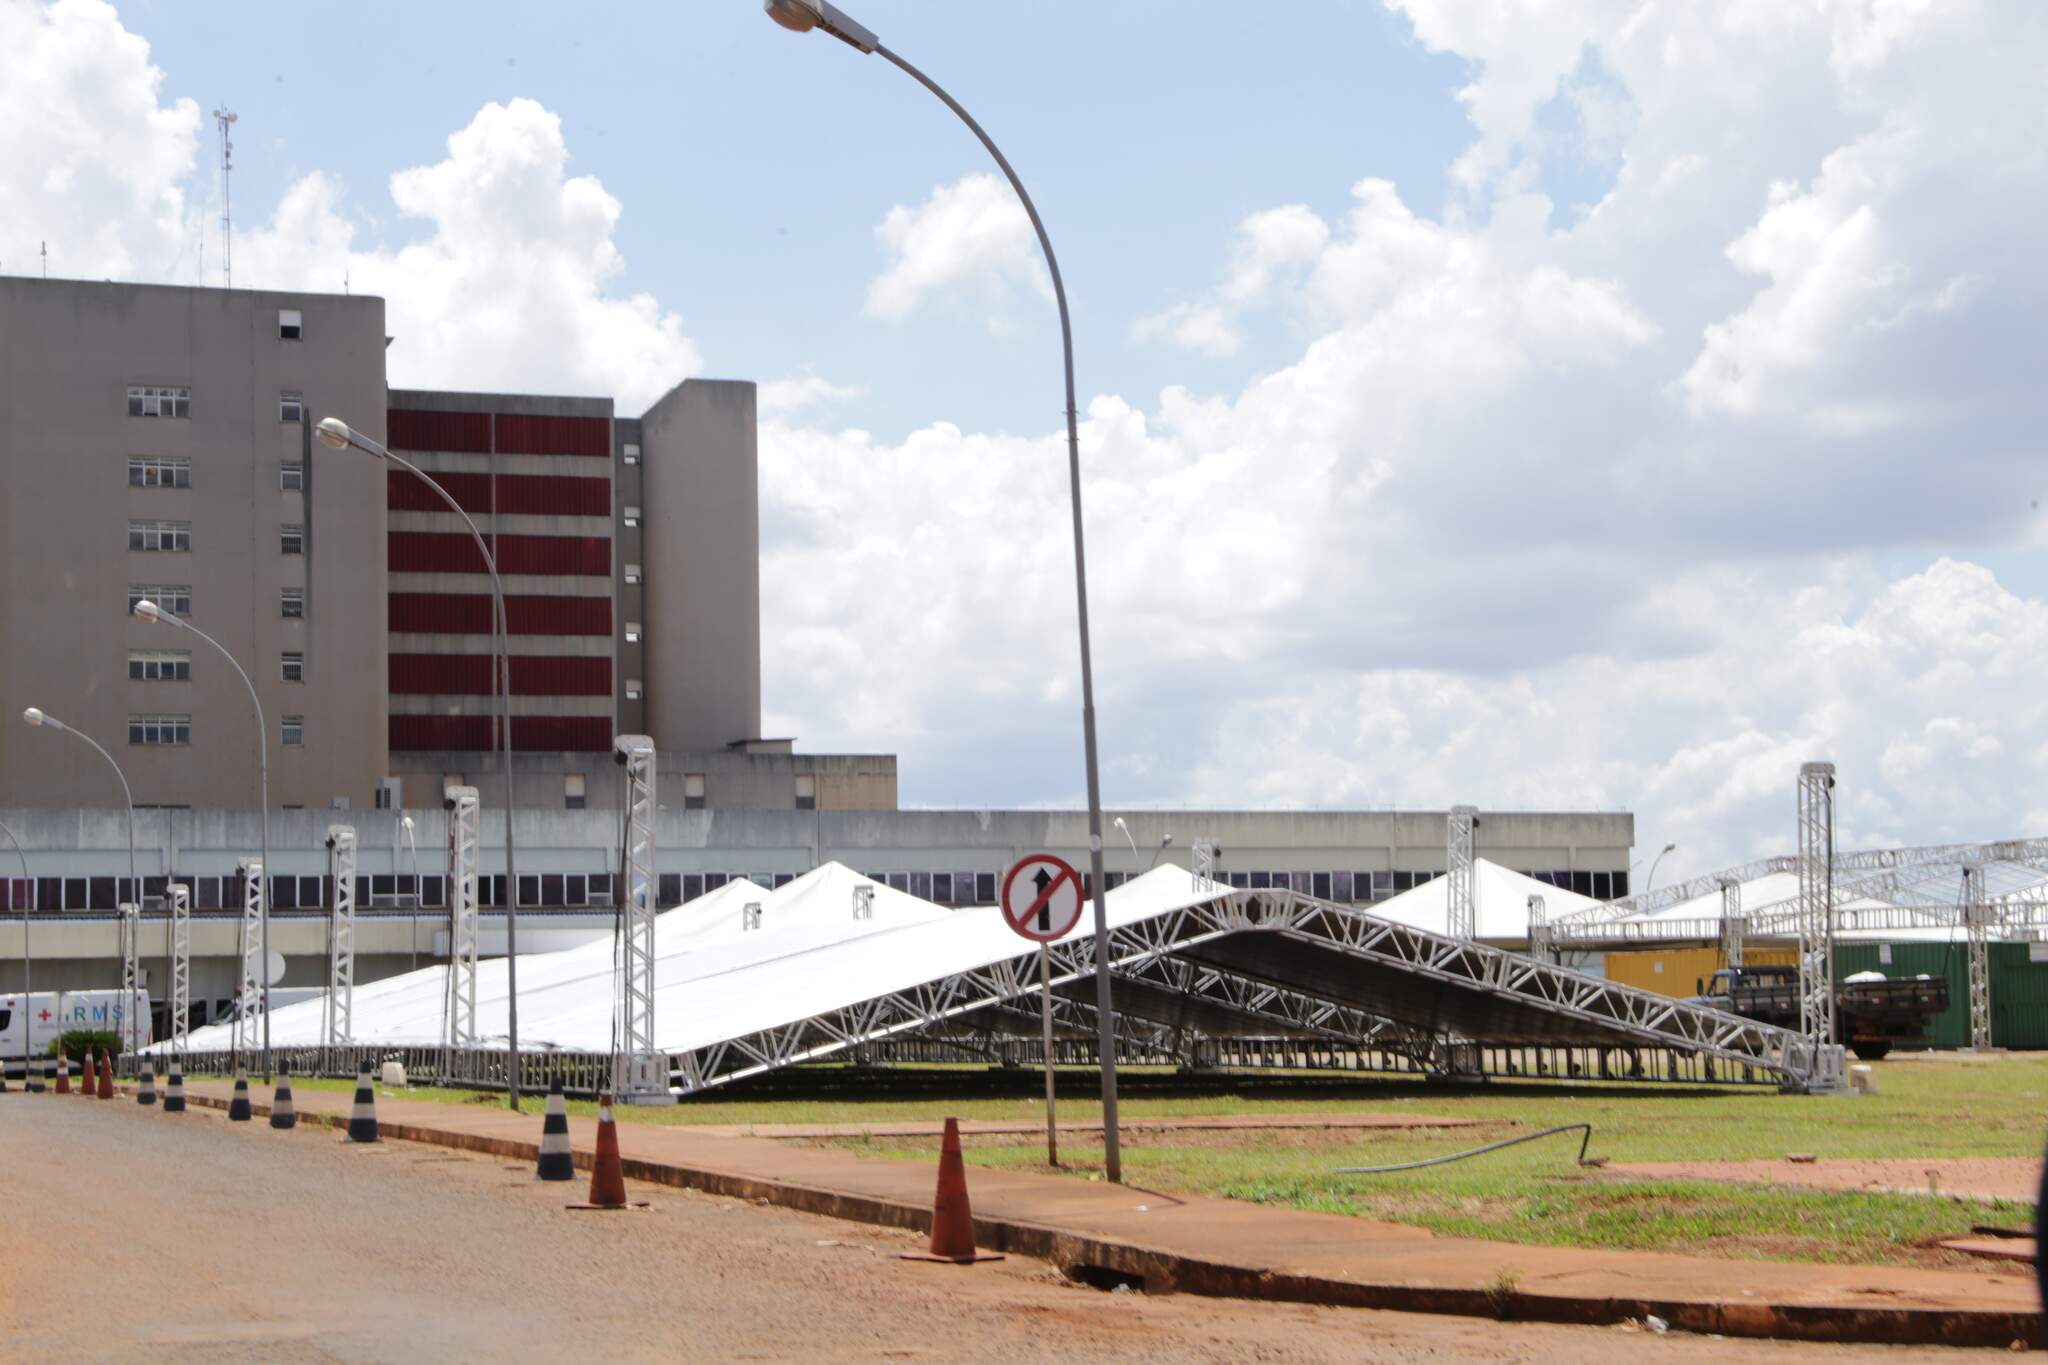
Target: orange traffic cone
{"points": [[607, 1172], [952, 1216], [86, 1085], [63, 1074], [106, 1076]]}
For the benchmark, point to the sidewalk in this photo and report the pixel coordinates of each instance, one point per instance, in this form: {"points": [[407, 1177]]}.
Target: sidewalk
{"points": [[1217, 1246]]}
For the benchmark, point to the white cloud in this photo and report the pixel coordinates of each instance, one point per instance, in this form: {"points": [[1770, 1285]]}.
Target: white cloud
{"points": [[971, 240], [511, 287], [91, 162]]}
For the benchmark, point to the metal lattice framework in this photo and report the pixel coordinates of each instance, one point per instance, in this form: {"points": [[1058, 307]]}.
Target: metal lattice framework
{"points": [[1734, 924], [181, 963], [1540, 944], [864, 901], [341, 951], [463, 844], [1180, 953], [1816, 901], [1977, 921], [641, 1071], [255, 972], [131, 972], [1461, 915], [1205, 852]]}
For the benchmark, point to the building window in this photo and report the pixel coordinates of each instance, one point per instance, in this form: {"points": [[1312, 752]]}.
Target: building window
{"points": [[159, 665], [154, 473], [572, 791], [294, 669], [293, 604], [632, 632], [152, 401], [632, 517], [631, 453], [294, 731], [160, 535], [289, 324], [171, 600], [159, 729], [693, 791], [632, 574], [290, 408], [806, 792], [292, 477], [633, 689], [384, 795], [293, 539]]}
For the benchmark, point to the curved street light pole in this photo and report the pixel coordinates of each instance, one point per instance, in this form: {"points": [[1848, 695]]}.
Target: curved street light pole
{"points": [[28, 957], [1651, 880], [801, 16], [34, 716], [336, 434], [148, 611]]}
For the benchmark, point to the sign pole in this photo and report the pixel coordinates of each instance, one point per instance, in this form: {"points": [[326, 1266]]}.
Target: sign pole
{"points": [[1052, 1140]]}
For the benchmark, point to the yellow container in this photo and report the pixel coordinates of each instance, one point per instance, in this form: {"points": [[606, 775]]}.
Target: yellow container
{"points": [[1685, 971]]}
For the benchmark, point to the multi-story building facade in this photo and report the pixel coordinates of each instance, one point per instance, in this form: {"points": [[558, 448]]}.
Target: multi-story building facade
{"points": [[155, 442]]}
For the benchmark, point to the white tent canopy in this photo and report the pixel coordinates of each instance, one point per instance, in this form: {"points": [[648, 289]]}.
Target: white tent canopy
{"points": [[1500, 903]]}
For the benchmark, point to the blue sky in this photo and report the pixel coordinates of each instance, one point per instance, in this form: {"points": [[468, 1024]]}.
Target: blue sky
{"points": [[754, 164], [1605, 404]]}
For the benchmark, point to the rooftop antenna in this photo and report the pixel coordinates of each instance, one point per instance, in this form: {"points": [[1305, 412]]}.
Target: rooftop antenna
{"points": [[225, 117], [46, 260]]}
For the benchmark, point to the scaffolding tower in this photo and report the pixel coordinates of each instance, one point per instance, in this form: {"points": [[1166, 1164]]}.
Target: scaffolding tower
{"points": [[1539, 930], [1461, 916], [255, 972], [341, 948], [1977, 924], [1734, 925], [639, 1071], [131, 972], [1826, 1070], [463, 841], [181, 964]]}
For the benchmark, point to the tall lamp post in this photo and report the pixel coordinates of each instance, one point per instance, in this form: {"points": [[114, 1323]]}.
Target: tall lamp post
{"points": [[150, 612], [47, 721], [336, 434], [28, 957], [802, 16], [1651, 880]]}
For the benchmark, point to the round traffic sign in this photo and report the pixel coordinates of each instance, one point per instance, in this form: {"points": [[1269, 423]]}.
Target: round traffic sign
{"points": [[1042, 897]]}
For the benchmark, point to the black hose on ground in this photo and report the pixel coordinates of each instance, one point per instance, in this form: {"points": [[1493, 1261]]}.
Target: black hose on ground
{"points": [[1481, 1151]]}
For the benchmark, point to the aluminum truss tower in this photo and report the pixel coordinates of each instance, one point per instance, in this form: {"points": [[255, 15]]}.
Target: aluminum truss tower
{"points": [[639, 1071], [181, 964], [1816, 903], [459, 1029], [1539, 930], [1977, 921], [1734, 924], [255, 972], [341, 949], [1461, 917]]}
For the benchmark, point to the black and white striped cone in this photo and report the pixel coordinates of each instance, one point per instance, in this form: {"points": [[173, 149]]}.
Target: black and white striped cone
{"points": [[238, 1107], [174, 1094], [282, 1114], [556, 1161], [362, 1115], [37, 1074], [145, 1092]]}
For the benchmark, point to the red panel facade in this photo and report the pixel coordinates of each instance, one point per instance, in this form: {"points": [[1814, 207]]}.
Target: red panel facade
{"points": [[417, 733], [411, 430], [455, 552], [430, 613], [523, 435], [530, 734], [533, 675], [546, 495]]}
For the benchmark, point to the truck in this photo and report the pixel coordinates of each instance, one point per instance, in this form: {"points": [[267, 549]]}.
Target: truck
{"points": [[33, 1022], [1872, 1012]]}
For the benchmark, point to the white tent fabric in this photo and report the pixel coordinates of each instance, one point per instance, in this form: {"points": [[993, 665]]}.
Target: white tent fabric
{"points": [[1774, 891], [715, 979], [1500, 903]]}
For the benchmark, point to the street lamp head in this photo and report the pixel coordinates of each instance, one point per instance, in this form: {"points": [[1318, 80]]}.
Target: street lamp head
{"points": [[35, 716], [1165, 840], [146, 610], [407, 822], [801, 16], [334, 433], [1119, 823], [1669, 848]]}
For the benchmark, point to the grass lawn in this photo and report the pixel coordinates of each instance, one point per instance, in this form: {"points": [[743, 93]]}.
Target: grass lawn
{"points": [[1533, 1193]]}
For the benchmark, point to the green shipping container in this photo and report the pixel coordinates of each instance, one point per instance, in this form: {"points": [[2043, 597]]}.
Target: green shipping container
{"points": [[2019, 988]]}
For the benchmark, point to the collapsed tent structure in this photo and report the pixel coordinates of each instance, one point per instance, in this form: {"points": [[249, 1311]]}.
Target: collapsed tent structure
{"points": [[835, 966]]}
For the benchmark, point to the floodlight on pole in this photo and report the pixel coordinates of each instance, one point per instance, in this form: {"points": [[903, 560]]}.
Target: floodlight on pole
{"points": [[1651, 880], [336, 434], [146, 610], [802, 16]]}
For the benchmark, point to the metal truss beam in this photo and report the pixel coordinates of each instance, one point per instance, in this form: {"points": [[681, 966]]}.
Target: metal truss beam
{"points": [[463, 844], [341, 948], [1461, 915], [255, 971], [1977, 920], [640, 1072], [181, 964]]}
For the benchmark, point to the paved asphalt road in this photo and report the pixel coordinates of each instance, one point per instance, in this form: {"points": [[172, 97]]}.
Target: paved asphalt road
{"points": [[126, 1233]]}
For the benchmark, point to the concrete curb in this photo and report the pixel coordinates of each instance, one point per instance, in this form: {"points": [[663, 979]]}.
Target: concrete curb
{"points": [[1165, 1271]]}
